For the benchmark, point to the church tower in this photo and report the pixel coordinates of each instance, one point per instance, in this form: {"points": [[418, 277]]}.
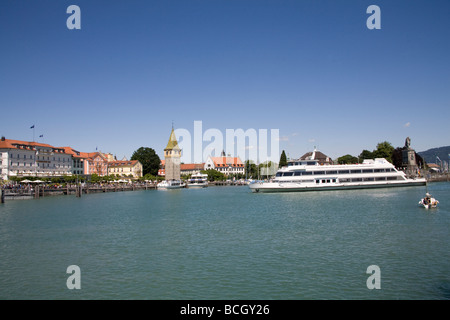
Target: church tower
{"points": [[172, 155]]}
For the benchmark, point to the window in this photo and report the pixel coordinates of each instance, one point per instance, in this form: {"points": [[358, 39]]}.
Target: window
{"points": [[331, 172], [279, 174], [319, 172], [288, 174], [356, 179], [307, 173], [310, 163], [344, 171], [297, 173], [378, 170], [355, 171], [367, 171]]}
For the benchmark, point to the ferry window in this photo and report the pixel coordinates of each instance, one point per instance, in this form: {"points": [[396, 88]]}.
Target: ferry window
{"points": [[391, 178], [368, 179], [334, 180], [323, 180], [317, 181], [367, 171], [319, 172], [378, 170], [355, 171], [279, 174], [380, 178], [344, 171], [307, 173], [331, 172], [310, 163], [328, 180], [356, 179], [288, 174], [290, 164], [297, 173]]}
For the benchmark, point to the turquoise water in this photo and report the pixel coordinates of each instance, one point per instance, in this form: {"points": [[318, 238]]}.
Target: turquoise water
{"points": [[227, 243]]}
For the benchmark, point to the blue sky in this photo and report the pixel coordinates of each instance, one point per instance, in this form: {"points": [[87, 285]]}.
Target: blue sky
{"points": [[310, 68]]}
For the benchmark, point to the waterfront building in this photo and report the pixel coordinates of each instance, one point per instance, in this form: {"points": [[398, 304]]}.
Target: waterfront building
{"points": [[225, 164], [125, 168], [98, 164], [317, 155], [185, 168], [23, 158], [172, 155], [79, 160]]}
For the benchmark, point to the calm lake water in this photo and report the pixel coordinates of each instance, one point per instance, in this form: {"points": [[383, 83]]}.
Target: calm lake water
{"points": [[227, 243]]}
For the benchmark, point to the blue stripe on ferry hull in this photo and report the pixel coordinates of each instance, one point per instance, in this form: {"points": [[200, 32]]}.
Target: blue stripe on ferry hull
{"points": [[266, 189]]}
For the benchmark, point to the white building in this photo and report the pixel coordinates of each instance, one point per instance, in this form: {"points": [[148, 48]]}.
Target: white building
{"points": [[21, 158], [226, 165]]}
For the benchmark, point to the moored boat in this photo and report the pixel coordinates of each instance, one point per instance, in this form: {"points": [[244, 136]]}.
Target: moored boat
{"points": [[171, 184], [198, 180]]}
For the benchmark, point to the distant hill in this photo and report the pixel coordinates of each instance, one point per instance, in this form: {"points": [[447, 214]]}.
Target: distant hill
{"points": [[430, 155]]}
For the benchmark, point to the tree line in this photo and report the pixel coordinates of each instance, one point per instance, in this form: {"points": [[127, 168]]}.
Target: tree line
{"points": [[383, 150]]}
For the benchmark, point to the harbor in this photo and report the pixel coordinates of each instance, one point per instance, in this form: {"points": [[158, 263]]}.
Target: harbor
{"points": [[227, 243]]}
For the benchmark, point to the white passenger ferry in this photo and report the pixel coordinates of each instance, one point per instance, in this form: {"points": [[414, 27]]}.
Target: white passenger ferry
{"points": [[198, 180], [171, 184], [308, 175]]}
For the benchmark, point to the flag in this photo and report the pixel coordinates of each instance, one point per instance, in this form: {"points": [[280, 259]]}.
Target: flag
{"points": [[32, 127]]}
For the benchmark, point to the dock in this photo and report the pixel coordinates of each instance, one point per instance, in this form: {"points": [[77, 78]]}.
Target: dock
{"points": [[77, 190]]}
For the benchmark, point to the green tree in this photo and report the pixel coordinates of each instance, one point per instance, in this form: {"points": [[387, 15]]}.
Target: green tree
{"points": [[347, 159], [149, 159], [384, 150], [366, 154], [214, 175], [283, 160]]}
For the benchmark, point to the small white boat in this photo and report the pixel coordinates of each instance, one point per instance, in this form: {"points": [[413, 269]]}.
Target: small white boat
{"points": [[198, 180], [171, 184], [428, 202]]}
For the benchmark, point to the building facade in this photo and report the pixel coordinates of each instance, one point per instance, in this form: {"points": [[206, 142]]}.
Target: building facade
{"points": [[22, 158], [98, 164], [125, 168], [225, 164]]}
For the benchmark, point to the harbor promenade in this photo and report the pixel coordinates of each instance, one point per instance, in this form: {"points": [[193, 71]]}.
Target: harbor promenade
{"points": [[36, 191]]}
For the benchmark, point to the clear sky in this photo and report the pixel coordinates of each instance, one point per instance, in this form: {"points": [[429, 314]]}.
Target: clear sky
{"points": [[310, 68]]}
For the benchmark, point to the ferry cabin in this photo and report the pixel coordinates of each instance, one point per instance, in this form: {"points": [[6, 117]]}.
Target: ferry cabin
{"points": [[309, 172]]}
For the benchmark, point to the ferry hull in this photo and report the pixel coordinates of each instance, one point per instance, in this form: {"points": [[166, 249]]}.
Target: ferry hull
{"points": [[266, 187]]}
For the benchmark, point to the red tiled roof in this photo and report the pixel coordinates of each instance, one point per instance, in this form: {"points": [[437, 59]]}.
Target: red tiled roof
{"points": [[227, 161], [192, 166], [123, 163], [10, 144]]}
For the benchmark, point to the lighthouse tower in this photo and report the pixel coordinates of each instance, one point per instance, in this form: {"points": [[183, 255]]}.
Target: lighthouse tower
{"points": [[172, 155]]}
